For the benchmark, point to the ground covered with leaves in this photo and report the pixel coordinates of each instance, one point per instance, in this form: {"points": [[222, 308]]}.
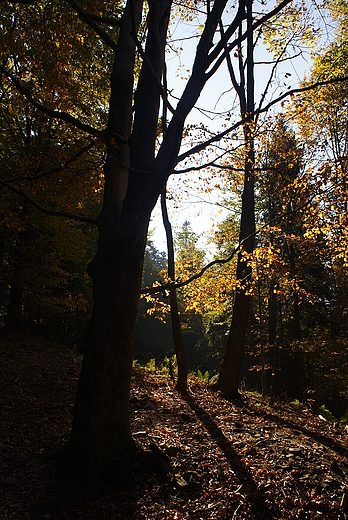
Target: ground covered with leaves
{"points": [[252, 458]]}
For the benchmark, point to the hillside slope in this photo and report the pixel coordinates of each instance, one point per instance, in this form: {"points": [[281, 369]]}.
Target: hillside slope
{"points": [[229, 460]]}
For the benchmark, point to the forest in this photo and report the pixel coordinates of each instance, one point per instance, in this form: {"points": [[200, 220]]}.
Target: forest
{"points": [[243, 336]]}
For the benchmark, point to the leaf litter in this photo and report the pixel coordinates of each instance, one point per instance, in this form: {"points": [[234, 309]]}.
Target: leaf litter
{"points": [[250, 458]]}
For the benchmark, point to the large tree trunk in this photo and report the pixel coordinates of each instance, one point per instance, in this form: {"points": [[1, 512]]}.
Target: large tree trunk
{"points": [[101, 442], [101, 438]]}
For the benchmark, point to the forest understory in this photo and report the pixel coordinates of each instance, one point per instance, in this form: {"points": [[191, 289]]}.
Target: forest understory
{"points": [[252, 458]]}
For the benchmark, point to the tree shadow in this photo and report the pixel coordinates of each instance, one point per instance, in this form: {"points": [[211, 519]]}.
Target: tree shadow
{"points": [[257, 502], [339, 448]]}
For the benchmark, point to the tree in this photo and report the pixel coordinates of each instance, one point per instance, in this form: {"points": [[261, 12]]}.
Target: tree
{"points": [[230, 368], [181, 384], [136, 169]]}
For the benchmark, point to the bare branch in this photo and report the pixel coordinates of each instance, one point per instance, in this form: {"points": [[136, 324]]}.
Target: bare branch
{"points": [[55, 114], [221, 135], [300, 90], [221, 44], [235, 84], [202, 166], [57, 169], [269, 82], [65, 214], [104, 19], [87, 19]]}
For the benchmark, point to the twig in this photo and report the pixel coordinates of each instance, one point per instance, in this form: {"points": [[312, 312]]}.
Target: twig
{"points": [[87, 19]]}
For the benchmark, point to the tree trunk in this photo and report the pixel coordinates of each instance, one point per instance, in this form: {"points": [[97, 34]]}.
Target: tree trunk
{"points": [[101, 442], [101, 439], [181, 383], [231, 364]]}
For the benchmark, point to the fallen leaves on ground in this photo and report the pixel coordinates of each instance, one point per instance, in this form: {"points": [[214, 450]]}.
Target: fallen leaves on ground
{"points": [[229, 459]]}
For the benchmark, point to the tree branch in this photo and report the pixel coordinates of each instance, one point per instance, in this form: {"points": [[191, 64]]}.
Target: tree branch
{"points": [[269, 82], [55, 114], [79, 218], [104, 19], [87, 19], [221, 44], [57, 169], [221, 261], [219, 136], [300, 90]]}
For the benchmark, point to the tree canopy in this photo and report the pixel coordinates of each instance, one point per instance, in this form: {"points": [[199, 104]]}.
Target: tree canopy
{"points": [[91, 131]]}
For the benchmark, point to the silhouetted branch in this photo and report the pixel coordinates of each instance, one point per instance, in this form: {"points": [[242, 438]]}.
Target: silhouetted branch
{"points": [[88, 19], [57, 169], [28, 198], [222, 261], [62, 116], [104, 19], [220, 135]]}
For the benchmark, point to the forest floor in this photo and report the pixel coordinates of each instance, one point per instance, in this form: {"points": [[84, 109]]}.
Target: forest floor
{"points": [[245, 459]]}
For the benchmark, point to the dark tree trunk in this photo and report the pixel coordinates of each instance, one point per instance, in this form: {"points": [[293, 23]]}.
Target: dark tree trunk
{"points": [[231, 364], [101, 441], [181, 384], [101, 437]]}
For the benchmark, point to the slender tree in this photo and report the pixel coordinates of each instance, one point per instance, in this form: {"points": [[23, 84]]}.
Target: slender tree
{"points": [[230, 368], [181, 383]]}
